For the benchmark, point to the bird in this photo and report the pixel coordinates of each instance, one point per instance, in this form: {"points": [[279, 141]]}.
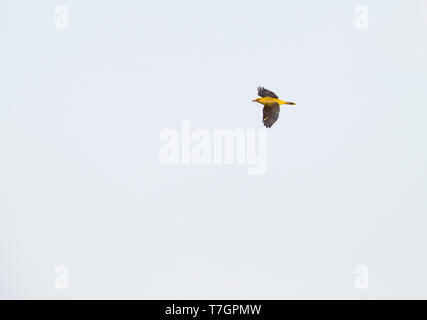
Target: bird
{"points": [[271, 104]]}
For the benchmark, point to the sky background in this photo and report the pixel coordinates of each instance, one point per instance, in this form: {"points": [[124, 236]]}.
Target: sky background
{"points": [[81, 184]]}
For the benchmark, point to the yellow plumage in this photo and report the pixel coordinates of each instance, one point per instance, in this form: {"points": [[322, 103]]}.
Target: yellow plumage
{"points": [[268, 100]]}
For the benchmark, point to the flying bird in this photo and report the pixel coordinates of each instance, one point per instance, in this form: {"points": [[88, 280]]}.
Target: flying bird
{"points": [[271, 104]]}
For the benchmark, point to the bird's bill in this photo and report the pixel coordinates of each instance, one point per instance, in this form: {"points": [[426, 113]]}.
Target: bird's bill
{"points": [[254, 100], [290, 103]]}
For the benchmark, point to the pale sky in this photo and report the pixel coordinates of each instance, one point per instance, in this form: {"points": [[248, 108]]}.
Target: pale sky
{"points": [[81, 183]]}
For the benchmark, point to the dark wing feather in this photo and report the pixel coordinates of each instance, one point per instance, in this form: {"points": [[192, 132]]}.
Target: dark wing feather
{"points": [[263, 92], [270, 114]]}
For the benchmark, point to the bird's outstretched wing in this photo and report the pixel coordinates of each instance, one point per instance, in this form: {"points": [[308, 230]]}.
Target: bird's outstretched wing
{"points": [[270, 114], [263, 92]]}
